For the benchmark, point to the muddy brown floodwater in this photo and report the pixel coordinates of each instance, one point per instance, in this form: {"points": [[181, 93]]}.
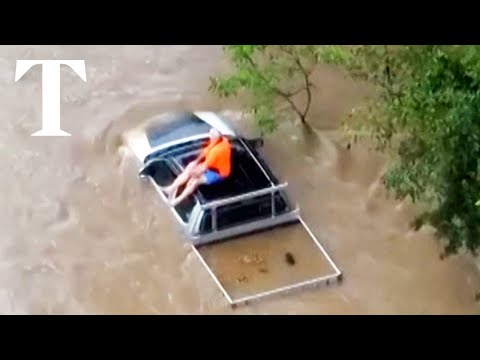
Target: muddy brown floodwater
{"points": [[81, 234]]}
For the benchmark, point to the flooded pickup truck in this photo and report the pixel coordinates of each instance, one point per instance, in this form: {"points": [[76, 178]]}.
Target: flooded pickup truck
{"points": [[226, 223]]}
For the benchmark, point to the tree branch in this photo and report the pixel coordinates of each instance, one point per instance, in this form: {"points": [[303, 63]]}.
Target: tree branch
{"points": [[281, 93], [306, 75], [388, 71], [296, 92]]}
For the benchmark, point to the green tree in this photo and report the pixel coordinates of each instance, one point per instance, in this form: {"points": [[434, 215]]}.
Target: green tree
{"points": [[427, 114], [269, 77]]}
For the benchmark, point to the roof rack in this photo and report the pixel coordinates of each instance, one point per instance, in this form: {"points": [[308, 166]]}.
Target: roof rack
{"points": [[246, 196]]}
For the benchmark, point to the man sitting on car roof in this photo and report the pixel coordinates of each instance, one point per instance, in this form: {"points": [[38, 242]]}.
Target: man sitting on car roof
{"points": [[211, 167]]}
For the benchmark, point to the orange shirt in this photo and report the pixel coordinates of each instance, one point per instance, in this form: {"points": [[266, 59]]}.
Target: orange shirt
{"points": [[218, 156]]}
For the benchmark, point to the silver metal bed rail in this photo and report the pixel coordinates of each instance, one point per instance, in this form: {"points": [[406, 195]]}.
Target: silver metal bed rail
{"points": [[246, 196]]}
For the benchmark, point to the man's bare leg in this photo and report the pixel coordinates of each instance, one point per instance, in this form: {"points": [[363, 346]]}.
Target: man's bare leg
{"points": [[180, 180], [192, 185]]}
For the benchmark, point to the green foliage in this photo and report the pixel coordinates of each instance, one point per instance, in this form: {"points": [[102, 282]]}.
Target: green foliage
{"points": [[428, 115], [270, 76]]}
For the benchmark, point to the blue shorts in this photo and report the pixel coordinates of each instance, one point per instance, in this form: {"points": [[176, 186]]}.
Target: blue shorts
{"points": [[213, 177]]}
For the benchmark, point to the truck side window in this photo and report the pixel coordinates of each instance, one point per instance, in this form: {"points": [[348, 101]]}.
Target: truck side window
{"points": [[185, 208], [244, 212], [206, 223], [281, 205]]}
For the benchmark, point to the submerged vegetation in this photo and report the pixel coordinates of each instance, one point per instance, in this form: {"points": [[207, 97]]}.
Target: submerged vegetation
{"points": [[425, 114]]}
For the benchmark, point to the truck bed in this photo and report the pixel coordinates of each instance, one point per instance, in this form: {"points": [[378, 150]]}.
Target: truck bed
{"points": [[269, 262]]}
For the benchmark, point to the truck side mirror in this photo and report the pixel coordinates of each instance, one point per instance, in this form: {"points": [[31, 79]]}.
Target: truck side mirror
{"points": [[148, 169]]}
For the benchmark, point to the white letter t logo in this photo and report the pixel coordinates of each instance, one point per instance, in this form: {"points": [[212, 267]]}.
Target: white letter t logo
{"points": [[50, 90]]}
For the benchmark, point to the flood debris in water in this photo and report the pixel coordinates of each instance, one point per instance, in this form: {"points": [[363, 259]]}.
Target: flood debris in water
{"points": [[290, 260], [254, 259], [242, 279]]}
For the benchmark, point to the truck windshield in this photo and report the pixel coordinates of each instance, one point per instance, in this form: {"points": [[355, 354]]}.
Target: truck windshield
{"points": [[175, 127]]}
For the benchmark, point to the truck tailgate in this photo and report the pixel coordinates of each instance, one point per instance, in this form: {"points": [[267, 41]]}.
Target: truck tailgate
{"points": [[267, 263]]}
